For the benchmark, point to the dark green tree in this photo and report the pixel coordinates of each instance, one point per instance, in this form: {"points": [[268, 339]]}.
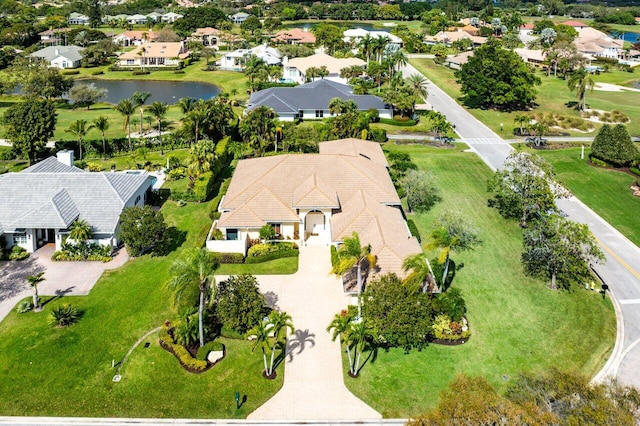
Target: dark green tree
{"points": [[86, 94], [497, 78], [614, 145], [44, 82], [142, 229], [258, 129], [240, 305], [330, 36], [94, 12], [421, 190], [29, 125], [198, 17]]}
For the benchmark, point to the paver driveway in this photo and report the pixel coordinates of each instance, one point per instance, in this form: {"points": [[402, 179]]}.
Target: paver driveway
{"points": [[313, 384], [73, 278]]}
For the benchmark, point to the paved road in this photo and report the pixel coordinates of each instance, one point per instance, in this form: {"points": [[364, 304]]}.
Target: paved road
{"points": [[622, 269]]}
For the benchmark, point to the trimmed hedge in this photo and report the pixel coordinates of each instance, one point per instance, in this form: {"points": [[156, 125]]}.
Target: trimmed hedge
{"points": [[392, 122], [262, 249], [272, 256], [191, 364], [204, 186], [634, 170], [414, 230], [223, 257]]}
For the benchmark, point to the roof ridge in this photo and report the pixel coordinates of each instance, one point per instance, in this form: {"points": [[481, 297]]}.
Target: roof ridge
{"points": [[104, 176], [55, 205], [281, 159]]}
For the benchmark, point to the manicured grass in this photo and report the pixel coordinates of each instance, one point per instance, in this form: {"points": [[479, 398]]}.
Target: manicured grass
{"points": [[285, 266], [67, 372], [603, 190], [517, 323], [553, 96]]}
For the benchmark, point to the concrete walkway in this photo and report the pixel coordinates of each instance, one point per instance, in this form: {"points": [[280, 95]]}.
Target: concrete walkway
{"points": [[621, 271], [313, 383], [61, 278]]}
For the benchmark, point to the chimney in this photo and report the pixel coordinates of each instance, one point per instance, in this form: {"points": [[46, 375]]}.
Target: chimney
{"points": [[57, 52], [65, 157]]}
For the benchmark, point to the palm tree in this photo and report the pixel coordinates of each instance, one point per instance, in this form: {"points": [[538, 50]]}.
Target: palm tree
{"points": [[33, 281], [138, 99], [366, 46], [521, 121], [351, 253], [339, 327], [195, 118], [79, 129], [126, 108], [201, 158], [418, 84], [358, 336], [452, 233], [580, 81], [158, 110], [397, 60], [102, 124], [258, 128], [186, 105], [195, 268], [421, 276], [269, 335], [80, 231]]}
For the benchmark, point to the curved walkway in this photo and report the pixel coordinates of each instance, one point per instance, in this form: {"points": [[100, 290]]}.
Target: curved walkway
{"points": [[622, 269], [313, 386]]}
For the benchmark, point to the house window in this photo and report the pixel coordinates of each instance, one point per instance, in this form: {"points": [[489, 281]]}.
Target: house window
{"points": [[277, 228], [130, 62], [20, 238], [319, 113], [232, 234], [137, 200]]}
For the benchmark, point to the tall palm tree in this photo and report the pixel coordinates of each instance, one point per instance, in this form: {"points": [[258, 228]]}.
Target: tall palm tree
{"points": [[139, 99], [339, 327], [418, 84], [521, 121], [195, 118], [126, 108], [358, 336], [366, 46], [79, 129], [33, 281], [269, 335], [195, 268], [258, 128], [351, 253], [80, 231], [421, 276], [186, 105], [580, 81], [102, 124], [201, 158], [159, 110]]}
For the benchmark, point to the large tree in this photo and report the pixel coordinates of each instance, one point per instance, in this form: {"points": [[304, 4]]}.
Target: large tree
{"points": [[86, 94], [195, 269], [614, 145], [141, 229], [559, 250], [421, 189], [258, 129], [240, 305], [498, 78], [40, 81], [525, 188], [29, 125]]}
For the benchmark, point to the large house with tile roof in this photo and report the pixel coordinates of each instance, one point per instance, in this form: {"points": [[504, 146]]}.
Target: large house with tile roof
{"points": [[161, 54], [295, 70], [39, 204], [317, 199]]}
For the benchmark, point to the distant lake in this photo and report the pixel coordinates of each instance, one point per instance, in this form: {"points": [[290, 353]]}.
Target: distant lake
{"points": [[163, 91], [346, 25], [629, 37]]}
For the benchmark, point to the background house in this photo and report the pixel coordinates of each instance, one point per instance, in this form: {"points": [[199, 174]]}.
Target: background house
{"points": [[163, 54], [60, 56], [78, 19], [318, 199], [295, 70], [294, 36], [239, 17], [236, 60], [39, 204], [311, 100]]}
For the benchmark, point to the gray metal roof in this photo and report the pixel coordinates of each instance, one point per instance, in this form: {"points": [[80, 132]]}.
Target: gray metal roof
{"points": [[49, 53], [54, 200], [51, 165], [310, 96]]}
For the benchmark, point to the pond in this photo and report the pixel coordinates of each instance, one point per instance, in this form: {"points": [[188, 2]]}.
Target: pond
{"points": [[163, 91], [345, 24], [628, 37]]}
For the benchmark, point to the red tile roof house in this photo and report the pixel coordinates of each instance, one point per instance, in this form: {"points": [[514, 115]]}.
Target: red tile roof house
{"points": [[345, 188]]}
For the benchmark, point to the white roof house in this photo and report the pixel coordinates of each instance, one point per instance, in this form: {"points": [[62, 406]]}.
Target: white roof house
{"points": [[39, 204], [235, 60], [78, 19], [137, 19], [171, 17], [357, 34], [239, 17], [61, 57], [295, 69]]}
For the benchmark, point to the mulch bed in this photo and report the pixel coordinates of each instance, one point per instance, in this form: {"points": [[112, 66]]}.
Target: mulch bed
{"points": [[449, 342]]}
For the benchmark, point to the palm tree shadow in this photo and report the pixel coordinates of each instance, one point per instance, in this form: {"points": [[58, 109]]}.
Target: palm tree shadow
{"points": [[297, 343], [59, 294], [372, 356], [271, 300]]}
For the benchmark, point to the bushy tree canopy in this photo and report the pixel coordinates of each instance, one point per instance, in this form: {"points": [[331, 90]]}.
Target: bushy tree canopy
{"points": [[497, 78], [29, 125], [240, 304], [614, 145], [398, 315], [421, 189], [198, 17], [141, 229]]}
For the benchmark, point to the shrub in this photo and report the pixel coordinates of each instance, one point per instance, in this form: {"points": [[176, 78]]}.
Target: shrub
{"points": [[94, 167], [203, 186], [451, 303], [445, 329], [64, 315], [223, 257], [240, 305], [634, 170], [190, 363], [70, 72], [614, 145], [272, 256], [262, 249], [83, 251], [176, 173], [414, 229], [140, 72], [405, 121], [99, 72], [378, 135], [597, 162], [18, 253], [24, 306]]}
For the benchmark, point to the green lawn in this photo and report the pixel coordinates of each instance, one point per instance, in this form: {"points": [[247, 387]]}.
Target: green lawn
{"points": [[517, 323], [553, 95], [284, 266], [67, 372], [605, 191]]}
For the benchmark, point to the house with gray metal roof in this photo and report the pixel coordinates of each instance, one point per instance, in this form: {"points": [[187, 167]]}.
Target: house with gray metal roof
{"points": [[39, 204], [60, 56], [311, 100]]}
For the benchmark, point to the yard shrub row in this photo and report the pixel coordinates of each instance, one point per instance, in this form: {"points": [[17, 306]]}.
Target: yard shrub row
{"points": [[414, 229], [262, 249], [272, 256], [394, 122], [189, 363], [78, 252], [223, 257]]}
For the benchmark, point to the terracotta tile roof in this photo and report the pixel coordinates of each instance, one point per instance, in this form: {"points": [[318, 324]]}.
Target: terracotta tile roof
{"points": [[353, 147], [573, 24], [297, 35], [157, 50], [314, 192]]}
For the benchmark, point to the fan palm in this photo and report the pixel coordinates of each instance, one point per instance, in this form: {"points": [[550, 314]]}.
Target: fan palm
{"points": [[102, 124], [79, 129], [580, 81]]}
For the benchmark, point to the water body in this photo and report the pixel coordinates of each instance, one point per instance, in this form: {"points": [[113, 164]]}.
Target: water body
{"points": [[162, 91], [629, 37], [346, 25]]}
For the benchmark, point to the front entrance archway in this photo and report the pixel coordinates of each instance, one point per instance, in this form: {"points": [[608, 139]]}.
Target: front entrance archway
{"points": [[314, 223]]}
